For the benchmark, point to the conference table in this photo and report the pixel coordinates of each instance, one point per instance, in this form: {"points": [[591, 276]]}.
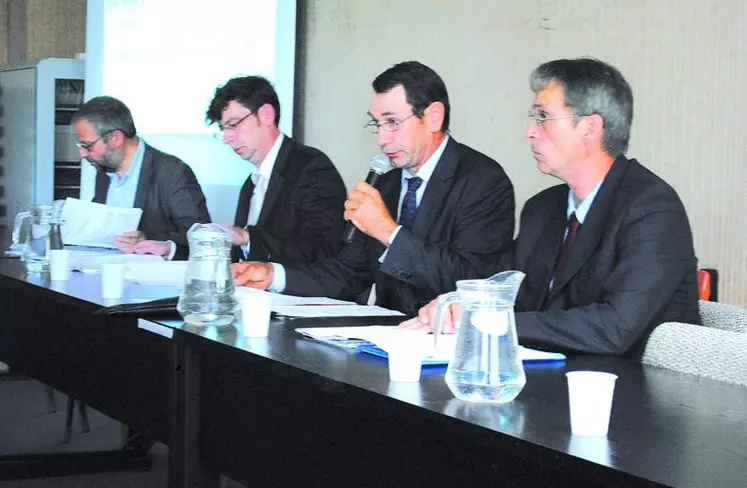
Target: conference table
{"points": [[288, 411]]}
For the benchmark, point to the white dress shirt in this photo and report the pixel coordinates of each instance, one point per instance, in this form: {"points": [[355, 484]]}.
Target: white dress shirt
{"points": [[261, 180]]}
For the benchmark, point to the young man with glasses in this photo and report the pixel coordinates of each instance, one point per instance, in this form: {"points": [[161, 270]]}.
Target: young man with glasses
{"points": [[608, 254], [134, 174], [290, 208], [444, 213]]}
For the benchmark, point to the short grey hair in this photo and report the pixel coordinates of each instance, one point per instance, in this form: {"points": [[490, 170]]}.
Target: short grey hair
{"points": [[107, 114], [592, 87]]}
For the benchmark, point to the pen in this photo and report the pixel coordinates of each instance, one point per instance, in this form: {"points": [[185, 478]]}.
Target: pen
{"points": [[437, 327]]}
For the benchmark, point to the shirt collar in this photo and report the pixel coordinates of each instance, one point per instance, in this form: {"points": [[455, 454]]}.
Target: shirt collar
{"points": [[426, 171], [583, 208], [137, 161], [265, 168]]}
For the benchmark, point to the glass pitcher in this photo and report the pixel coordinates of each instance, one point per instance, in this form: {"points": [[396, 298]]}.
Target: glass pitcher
{"points": [[35, 233], [486, 366], [207, 298]]}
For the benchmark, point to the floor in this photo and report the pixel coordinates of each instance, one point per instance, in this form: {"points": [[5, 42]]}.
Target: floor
{"points": [[27, 426]]}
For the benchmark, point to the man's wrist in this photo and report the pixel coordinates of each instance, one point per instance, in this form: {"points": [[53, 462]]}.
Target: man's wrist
{"points": [[387, 234], [393, 235]]}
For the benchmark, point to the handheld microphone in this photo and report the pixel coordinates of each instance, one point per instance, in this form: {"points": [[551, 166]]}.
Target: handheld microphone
{"points": [[378, 166]]}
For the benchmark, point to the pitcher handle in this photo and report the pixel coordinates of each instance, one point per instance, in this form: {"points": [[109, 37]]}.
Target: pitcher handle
{"points": [[17, 224], [443, 301]]}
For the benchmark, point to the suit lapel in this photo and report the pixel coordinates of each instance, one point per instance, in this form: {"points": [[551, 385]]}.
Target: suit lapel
{"points": [[242, 207], [147, 176], [102, 187], [277, 179], [439, 185], [593, 227], [545, 253], [391, 190]]}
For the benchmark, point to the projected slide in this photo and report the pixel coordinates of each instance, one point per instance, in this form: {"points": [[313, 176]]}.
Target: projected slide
{"points": [[164, 57]]}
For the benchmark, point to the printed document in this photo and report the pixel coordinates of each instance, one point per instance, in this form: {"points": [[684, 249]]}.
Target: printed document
{"points": [[95, 224]]}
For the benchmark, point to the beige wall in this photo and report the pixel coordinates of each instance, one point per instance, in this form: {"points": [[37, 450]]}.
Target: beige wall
{"points": [[3, 32], [35, 29], [687, 66]]}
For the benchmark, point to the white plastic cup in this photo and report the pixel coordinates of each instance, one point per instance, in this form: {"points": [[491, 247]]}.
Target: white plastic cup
{"points": [[590, 398], [59, 264], [255, 315], [112, 280], [406, 350]]}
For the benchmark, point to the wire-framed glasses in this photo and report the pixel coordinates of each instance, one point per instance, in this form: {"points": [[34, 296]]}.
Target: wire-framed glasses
{"points": [[390, 125]]}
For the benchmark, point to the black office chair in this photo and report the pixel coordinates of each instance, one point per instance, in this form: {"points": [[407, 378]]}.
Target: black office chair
{"points": [[69, 411]]}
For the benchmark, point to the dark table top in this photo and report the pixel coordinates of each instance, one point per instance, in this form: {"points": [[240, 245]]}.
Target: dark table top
{"points": [[666, 427]]}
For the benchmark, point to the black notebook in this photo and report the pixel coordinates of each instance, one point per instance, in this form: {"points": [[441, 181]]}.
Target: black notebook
{"points": [[165, 307]]}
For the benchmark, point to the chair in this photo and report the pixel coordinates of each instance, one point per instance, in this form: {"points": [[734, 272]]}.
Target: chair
{"points": [[716, 350], [708, 284], [69, 410], [723, 316]]}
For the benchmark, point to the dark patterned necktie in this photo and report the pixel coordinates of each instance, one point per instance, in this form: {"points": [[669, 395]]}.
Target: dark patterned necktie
{"points": [[410, 203], [565, 249]]}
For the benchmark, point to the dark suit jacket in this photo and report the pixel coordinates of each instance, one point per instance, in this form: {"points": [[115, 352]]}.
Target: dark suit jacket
{"points": [[465, 221], [169, 195], [302, 214], [632, 266]]}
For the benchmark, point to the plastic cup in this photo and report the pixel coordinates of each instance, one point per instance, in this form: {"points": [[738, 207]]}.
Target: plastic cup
{"points": [[255, 315], [59, 265], [112, 280], [590, 397], [406, 350]]}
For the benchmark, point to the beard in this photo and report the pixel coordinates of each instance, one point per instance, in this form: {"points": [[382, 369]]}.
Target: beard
{"points": [[109, 162]]}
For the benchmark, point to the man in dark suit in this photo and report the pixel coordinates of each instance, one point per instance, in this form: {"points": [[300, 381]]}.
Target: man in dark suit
{"points": [[133, 174], [290, 209], [444, 213], [608, 255]]}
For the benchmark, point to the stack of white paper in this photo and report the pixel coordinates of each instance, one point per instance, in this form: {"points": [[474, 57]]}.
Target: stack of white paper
{"points": [[94, 224], [316, 307], [279, 300], [382, 337], [334, 310], [91, 261], [159, 273]]}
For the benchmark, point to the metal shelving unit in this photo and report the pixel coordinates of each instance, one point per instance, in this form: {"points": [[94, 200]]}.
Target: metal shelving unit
{"points": [[40, 160]]}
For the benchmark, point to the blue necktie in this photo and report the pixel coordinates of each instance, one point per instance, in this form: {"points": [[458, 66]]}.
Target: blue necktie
{"points": [[410, 203]]}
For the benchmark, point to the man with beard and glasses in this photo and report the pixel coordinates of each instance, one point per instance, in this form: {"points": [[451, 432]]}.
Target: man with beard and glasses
{"points": [[134, 174]]}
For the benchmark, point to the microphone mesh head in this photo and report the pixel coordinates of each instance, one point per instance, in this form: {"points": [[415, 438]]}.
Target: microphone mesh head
{"points": [[380, 164]]}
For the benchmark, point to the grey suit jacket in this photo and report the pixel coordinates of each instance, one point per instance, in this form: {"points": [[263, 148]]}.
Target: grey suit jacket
{"points": [[464, 223], [169, 195], [632, 266]]}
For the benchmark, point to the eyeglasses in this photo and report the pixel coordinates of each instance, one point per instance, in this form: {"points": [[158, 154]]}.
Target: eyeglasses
{"points": [[391, 125], [541, 117], [88, 145], [229, 126]]}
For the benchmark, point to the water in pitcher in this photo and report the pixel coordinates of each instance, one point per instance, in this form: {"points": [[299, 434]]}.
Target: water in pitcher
{"points": [[486, 366]]}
